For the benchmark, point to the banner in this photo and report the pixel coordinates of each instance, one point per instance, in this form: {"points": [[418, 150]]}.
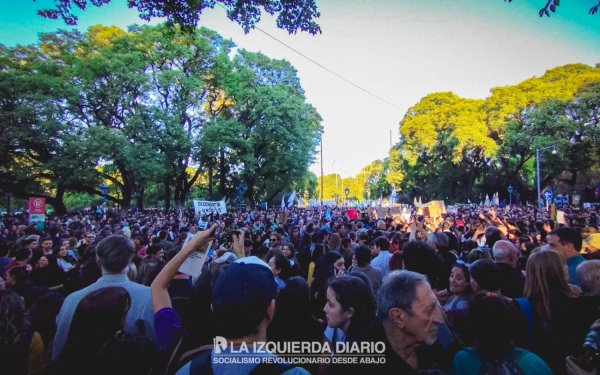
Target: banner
{"points": [[208, 207], [37, 212], [37, 205]]}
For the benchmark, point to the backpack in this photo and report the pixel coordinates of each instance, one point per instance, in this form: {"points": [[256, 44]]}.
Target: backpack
{"points": [[505, 365]]}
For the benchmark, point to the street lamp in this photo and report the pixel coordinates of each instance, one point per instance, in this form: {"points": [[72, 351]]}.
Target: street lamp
{"points": [[104, 189], [510, 190], [538, 153], [347, 191]]}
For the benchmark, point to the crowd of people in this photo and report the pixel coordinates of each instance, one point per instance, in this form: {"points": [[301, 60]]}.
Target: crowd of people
{"points": [[477, 290]]}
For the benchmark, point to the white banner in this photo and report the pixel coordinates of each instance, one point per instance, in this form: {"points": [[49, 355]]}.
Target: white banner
{"points": [[208, 207]]}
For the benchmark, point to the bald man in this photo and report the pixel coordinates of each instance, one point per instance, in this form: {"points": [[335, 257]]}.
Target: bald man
{"points": [[506, 257]]}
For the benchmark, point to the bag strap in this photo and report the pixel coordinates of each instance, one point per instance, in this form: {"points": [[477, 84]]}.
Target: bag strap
{"points": [[172, 356], [527, 311]]}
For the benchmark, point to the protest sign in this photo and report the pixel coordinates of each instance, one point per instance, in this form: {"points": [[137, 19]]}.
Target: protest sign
{"points": [[207, 207]]}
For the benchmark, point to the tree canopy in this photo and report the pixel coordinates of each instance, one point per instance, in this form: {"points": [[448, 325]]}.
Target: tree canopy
{"points": [[459, 149], [292, 15], [551, 6], [153, 106]]}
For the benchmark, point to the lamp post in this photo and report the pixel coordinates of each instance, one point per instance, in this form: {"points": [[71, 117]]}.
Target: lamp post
{"points": [[346, 191], [104, 189], [538, 153], [510, 190]]}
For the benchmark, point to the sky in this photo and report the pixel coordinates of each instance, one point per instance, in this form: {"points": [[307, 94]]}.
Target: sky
{"points": [[398, 50]]}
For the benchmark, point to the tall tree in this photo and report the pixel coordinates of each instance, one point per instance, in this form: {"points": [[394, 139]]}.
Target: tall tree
{"points": [[292, 15]]}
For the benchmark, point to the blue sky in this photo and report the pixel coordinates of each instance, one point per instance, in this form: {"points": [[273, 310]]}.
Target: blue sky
{"points": [[401, 50]]}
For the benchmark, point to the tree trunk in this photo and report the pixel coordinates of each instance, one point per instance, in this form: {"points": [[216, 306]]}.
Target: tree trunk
{"points": [[167, 195], [222, 173], [58, 201], [140, 199], [210, 181]]}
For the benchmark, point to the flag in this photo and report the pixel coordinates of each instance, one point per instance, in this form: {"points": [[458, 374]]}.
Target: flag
{"points": [[328, 214], [393, 195], [263, 206], [283, 201], [380, 199], [291, 199]]}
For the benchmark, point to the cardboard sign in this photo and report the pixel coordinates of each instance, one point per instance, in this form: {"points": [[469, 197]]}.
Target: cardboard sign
{"points": [[208, 207]]}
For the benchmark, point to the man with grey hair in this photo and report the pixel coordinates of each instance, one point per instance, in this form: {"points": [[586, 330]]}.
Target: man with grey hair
{"points": [[408, 317], [506, 257], [588, 274], [113, 255]]}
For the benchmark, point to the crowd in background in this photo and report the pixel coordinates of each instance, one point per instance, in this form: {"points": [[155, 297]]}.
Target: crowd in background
{"points": [[509, 289]]}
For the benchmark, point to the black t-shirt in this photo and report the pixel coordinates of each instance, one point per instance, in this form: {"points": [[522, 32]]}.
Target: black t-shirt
{"points": [[429, 358]]}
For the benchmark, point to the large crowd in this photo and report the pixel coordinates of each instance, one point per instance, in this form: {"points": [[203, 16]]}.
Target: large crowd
{"points": [[476, 290]]}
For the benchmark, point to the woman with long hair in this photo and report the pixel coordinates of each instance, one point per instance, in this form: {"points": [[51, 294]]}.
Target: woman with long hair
{"points": [[331, 264], [96, 330], [349, 309], [552, 315], [289, 251], [21, 349]]}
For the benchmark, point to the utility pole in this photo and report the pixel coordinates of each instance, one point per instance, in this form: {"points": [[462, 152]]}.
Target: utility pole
{"points": [[321, 141]]}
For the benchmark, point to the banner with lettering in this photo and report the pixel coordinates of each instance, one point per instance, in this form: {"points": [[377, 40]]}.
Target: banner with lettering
{"points": [[209, 207]]}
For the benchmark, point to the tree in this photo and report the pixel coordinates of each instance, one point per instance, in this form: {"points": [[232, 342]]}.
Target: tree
{"points": [[37, 146], [551, 6], [292, 15], [266, 136]]}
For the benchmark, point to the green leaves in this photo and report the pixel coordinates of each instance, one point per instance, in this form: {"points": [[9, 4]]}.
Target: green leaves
{"points": [[154, 106], [292, 15]]}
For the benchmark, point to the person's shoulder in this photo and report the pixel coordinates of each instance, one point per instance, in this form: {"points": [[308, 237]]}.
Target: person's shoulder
{"points": [[133, 286], [80, 294], [296, 371], [531, 363]]}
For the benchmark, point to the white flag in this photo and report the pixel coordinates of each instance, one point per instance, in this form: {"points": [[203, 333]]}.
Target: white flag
{"points": [[291, 199]]}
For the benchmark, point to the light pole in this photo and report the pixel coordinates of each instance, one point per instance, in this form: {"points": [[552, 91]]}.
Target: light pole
{"points": [[510, 193], [346, 191], [538, 153]]}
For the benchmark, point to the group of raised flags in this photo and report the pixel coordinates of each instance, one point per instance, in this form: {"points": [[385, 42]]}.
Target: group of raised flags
{"points": [[291, 200], [495, 201]]}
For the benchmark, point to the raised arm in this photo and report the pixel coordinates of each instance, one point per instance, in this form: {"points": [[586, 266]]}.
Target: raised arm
{"points": [[158, 289]]}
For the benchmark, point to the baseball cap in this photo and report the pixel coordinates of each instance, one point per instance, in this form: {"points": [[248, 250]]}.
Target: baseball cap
{"points": [[245, 285]]}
